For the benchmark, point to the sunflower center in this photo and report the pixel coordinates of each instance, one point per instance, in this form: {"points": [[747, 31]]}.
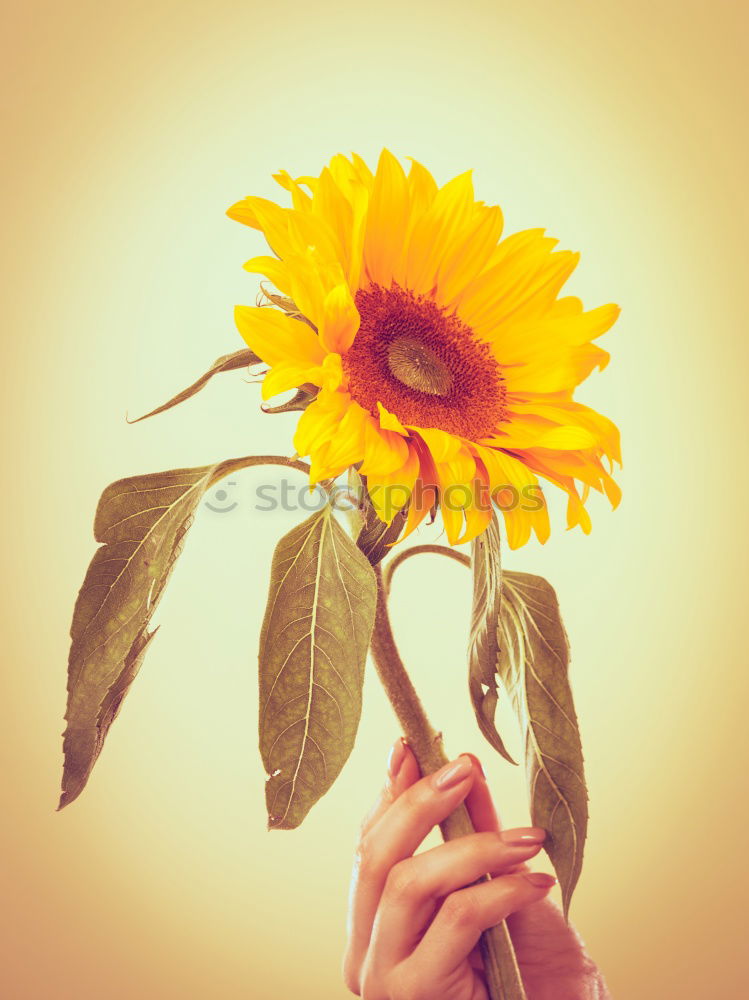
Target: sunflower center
{"points": [[418, 367], [424, 364]]}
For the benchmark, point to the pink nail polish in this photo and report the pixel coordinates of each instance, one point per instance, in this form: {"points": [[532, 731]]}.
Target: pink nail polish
{"points": [[525, 836], [453, 773], [540, 880], [476, 763], [395, 758]]}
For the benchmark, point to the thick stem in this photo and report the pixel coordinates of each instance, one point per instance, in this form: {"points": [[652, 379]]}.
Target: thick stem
{"points": [[502, 973], [247, 461], [415, 550]]}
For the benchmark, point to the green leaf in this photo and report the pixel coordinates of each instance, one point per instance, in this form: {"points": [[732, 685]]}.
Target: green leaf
{"points": [[534, 661], [313, 648], [142, 523], [374, 537], [483, 644], [226, 363]]}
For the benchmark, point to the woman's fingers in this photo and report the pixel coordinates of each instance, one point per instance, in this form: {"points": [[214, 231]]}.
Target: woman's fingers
{"points": [[463, 916], [392, 836], [415, 887], [479, 802], [402, 772]]}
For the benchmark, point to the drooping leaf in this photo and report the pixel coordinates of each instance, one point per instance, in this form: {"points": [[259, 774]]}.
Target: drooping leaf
{"points": [[299, 401], [534, 661], [289, 307], [226, 363], [374, 538], [313, 648], [141, 522], [484, 644]]}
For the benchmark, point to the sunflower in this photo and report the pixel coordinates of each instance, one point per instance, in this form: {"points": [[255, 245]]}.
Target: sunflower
{"points": [[443, 358]]}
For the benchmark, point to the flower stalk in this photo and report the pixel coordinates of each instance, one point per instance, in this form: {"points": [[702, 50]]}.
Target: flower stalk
{"points": [[500, 964]]}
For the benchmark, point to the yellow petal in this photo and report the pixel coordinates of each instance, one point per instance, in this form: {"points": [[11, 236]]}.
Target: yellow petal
{"points": [[469, 253], [288, 375], [604, 431], [520, 430], [510, 281], [282, 377], [433, 231], [320, 421], [479, 514], [311, 278], [576, 512], [346, 446], [389, 421], [309, 232], [344, 173], [274, 270], [425, 493], [583, 466], [390, 492], [242, 211], [524, 433], [384, 451], [355, 191], [554, 336], [359, 210], [554, 371], [270, 218], [518, 495], [567, 439], [456, 489], [444, 447], [422, 188], [331, 205], [331, 373], [300, 199], [363, 171], [340, 319], [477, 520], [276, 337], [386, 220]]}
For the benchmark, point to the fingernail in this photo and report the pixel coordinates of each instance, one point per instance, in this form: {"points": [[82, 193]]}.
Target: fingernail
{"points": [[540, 880], [524, 836], [476, 763], [395, 757], [453, 773]]}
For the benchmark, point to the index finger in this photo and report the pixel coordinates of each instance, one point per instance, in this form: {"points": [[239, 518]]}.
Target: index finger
{"points": [[480, 804], [402, 772]]}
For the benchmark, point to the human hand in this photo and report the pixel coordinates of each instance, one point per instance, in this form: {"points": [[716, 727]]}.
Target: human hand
{"points": [[415, 921]]}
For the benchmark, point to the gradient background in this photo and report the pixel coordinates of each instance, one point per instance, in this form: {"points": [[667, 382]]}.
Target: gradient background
{"points": [[130, 128]]}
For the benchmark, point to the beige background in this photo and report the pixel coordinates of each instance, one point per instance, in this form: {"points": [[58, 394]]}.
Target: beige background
{"points": [[130, 128]]}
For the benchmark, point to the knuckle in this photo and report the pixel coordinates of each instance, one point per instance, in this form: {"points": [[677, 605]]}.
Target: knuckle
{"points": [[367, 857], [415, 799], [418, 796], [460, 910], [403, 881]]}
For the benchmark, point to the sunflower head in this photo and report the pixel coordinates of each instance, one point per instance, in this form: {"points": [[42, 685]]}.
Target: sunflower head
{"points": [[442, 358]]}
